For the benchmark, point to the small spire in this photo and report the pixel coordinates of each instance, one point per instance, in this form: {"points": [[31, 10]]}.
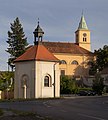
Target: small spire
{"points": [[38, 34], [82, 24], [38, 21]]}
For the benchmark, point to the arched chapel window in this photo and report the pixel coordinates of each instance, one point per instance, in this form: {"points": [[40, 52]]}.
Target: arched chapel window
{"points": [[74, 62], [24, 85], [47, 81], [63, 62]]}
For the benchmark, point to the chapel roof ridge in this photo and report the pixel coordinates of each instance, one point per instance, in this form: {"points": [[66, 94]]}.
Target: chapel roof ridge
{"points": [[33, 53]]}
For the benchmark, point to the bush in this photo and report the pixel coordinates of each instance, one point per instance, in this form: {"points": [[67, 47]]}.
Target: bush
{"points": [[85, 89], [68, 85], [98, 84]]}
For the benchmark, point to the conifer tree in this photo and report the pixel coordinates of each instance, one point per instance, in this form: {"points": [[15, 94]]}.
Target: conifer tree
{"points": [[17, 41]]}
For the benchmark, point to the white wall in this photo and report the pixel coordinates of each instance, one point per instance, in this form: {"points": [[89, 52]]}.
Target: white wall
{"points": [[42, 69], [36, 71], [24, 68]]}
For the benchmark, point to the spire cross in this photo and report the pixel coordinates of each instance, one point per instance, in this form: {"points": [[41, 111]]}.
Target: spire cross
{"points": [[38, 21]]}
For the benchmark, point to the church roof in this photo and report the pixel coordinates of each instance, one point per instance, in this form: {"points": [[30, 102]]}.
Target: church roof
{"points": [[39, 29], [82, 24], [37, 52], [62, 47]]}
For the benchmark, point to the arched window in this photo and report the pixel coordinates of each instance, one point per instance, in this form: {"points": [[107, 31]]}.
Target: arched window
{"points": [[24, 80], [24, 85], [47, 81], [63, 62], [74, 62], [84, 39]]}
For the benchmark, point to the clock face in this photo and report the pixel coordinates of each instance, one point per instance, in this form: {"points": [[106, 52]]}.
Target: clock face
{"points": [[84, 34]]}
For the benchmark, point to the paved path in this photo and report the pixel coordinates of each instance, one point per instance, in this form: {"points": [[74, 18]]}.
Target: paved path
{"points": [[73, 108]]}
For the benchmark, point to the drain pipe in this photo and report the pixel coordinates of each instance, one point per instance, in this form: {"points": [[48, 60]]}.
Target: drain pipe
{"points": [[54, 77]]}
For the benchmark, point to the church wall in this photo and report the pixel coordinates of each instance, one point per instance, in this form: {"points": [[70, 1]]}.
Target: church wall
{"points": [[79, 39], [81, 32], [43, 69], [25, 69], [82, 69]]}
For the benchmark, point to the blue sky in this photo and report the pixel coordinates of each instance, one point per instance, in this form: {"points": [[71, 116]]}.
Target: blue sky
{"points": [[58, 18]]}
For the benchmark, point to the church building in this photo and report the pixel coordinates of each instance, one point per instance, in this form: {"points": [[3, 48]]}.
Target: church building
{"points": [[75, 58], [38, 70]]}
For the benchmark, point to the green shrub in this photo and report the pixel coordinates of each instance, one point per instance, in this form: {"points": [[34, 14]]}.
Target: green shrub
{"points": [[85, 89], [68, 85], [98, 84]]}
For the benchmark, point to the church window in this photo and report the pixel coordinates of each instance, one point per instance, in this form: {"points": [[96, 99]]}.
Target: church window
{"points": [[24, 85], [24, 80], [74, 62], [62, 72], [84, 39], [63, 62], [47, 81]]}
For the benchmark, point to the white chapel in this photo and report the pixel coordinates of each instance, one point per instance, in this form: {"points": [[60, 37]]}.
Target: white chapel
{"points": [[37, 72]]}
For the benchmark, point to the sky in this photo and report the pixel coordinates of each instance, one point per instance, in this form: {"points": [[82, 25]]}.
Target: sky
{"points": [[59, 20]]}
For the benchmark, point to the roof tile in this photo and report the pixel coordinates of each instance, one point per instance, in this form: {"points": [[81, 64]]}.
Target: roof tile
{"points": [[61, 47], [37, 52]]}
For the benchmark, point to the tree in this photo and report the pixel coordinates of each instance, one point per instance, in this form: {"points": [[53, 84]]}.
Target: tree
{"points": [[16, 40], [64, 85], [6, 81], [68, 85], [101, 60], [98, 84]]}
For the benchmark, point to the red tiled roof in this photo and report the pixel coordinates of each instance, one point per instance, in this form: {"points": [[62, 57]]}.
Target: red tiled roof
{"points": [[37, 52], [61, 47]]}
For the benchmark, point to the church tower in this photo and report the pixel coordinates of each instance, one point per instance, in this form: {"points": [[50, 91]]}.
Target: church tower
{"points": [[82, 35], [38, 34]]}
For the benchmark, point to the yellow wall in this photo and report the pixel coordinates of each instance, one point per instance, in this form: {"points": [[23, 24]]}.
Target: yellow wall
{"points": [[82, 69]]}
